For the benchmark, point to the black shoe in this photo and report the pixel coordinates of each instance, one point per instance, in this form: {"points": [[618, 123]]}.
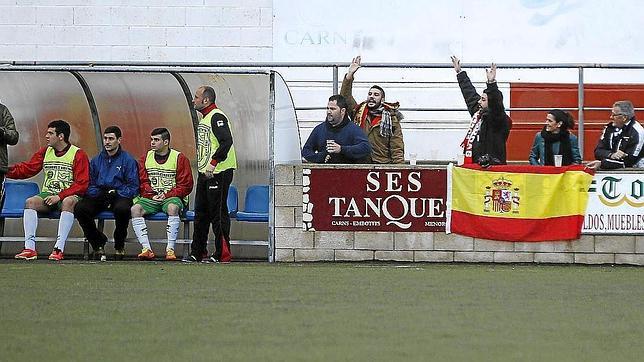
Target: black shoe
{"points": [[119, 254], [212, 259], [190, 259], [99, 254]]}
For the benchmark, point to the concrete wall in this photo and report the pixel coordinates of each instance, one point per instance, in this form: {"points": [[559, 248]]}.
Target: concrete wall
{"points": [[143, 30], [292, 244]]}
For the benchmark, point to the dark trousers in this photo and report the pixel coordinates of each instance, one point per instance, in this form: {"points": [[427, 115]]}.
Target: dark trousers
{"points": [[211, 209], [87, 209]]}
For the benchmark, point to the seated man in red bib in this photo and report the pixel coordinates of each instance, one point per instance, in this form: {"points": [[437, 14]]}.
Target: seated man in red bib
{"points": [[66, 180], [165, 183]]}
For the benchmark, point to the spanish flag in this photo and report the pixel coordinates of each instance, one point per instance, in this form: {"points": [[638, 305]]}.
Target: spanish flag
{"points": [[517, 203]]}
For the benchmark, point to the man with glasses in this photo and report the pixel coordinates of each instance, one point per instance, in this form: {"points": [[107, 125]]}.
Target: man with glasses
{"points": [[622, 140]]}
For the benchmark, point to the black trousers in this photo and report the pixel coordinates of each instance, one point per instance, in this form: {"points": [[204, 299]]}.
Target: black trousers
{"points": [[87, 209], [211, 209]]}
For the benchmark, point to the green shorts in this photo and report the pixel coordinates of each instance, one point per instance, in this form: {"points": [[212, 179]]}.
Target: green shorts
{"points": [[44, 194], [152, 207]]}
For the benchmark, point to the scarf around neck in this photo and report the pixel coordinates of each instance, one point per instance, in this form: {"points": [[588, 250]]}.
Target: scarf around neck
{"points": [[565, 149]]}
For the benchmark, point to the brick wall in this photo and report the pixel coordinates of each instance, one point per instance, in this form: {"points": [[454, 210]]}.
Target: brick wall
{"points": [[145, 30], [292, 244]]}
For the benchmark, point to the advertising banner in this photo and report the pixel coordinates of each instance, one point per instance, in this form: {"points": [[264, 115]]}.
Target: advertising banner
{"points": [[615, 205], [374, 200]]}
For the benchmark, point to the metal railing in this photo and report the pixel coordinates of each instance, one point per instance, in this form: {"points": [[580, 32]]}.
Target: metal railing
{"points": [[110, 66]]}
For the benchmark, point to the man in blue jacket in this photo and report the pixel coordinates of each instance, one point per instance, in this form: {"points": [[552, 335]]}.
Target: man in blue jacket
{"points": [[337, 140], [114, 182]]}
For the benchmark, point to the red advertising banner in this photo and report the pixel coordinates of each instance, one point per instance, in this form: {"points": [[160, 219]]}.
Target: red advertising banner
{"points": [[374, 200]]}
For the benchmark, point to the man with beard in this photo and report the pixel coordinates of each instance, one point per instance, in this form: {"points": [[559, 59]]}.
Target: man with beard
{"points": [[337, 140], [379, 120], [490, 127]]}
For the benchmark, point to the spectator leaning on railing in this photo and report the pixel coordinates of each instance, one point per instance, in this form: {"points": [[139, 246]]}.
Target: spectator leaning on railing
{"points": [[622, 141]]}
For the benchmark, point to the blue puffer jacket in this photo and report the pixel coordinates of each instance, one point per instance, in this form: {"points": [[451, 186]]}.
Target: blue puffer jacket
{"points": [[119, 172], [355, 147]]}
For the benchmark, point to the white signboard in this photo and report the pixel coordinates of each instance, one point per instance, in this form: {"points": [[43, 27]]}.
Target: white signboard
{"points": [[615, 204], [509, 31]]}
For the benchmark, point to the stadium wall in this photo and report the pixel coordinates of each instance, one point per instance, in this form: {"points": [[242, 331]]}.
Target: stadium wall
{"points": [[293, 244]]}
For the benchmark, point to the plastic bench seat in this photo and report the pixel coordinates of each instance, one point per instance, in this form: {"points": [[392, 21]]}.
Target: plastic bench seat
{"points": [[255, 204]]}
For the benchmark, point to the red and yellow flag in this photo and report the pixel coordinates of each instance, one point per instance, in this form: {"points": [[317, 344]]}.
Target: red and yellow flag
{"points": [[517, 203]]}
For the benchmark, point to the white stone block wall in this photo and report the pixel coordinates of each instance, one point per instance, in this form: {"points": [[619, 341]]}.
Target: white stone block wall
{"points": [[143, 30], [292, 244]]}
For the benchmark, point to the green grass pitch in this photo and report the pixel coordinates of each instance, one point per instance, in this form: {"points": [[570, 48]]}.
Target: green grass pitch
{"points": [[323, 311]]}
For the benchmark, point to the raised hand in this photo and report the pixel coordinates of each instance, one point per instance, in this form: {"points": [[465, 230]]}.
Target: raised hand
{"points": [[457, 63], [491, 73], [355, 65]]}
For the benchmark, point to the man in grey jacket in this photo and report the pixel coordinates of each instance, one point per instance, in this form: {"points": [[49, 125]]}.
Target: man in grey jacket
{"points": [[8, 136]]}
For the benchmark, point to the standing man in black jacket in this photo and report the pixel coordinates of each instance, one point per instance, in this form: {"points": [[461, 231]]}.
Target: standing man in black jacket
{"points": [[8, 136], [489, 129]]}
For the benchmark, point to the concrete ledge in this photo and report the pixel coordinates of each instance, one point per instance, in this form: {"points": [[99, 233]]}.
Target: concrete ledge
{"points": [[285, 217], [334, 239], [394, 255], [288, 196], [293, 238], [585, 244], [583, 258], [413, 241], [559, 258], [454, 242], [374, 240], [434, 256], [284, 255], [633, 259], [474, 256], [354, 255], [492, 245], [313, 255], [615, 244], [539, 246], [503, 257], [639, 244], [284, 175]]}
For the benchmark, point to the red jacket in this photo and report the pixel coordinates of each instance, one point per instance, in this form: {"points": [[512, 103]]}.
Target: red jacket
{"points": [[80, 169], [183, 178]]}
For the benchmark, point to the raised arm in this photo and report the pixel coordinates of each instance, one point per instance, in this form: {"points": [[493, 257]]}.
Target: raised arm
{"points": [[347, 85], [470, 95]]}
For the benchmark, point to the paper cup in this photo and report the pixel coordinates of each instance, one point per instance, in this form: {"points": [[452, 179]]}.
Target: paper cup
{"points": [[558, 159]]}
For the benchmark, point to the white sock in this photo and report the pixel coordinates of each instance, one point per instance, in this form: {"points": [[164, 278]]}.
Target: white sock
{"points": [[64, 227], [172, 230], [141, 231], [30, 222]]}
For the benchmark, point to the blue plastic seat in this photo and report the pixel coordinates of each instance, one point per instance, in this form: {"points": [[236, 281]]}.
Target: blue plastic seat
{"points": [[16, 193], [256, 204], [232, 201]]}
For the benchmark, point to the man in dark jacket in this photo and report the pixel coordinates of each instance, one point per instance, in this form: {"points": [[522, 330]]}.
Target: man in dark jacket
{"points": [[489, 129], [337, 140], [114, 182], [8, 136], [622, 141]]}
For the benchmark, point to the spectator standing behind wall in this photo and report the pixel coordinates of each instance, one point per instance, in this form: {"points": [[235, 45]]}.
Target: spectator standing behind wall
{"points": [[622, 141], [66, 169], [378, 119], [490, 127], [555, 139], [8, 136], [337, 140]]}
